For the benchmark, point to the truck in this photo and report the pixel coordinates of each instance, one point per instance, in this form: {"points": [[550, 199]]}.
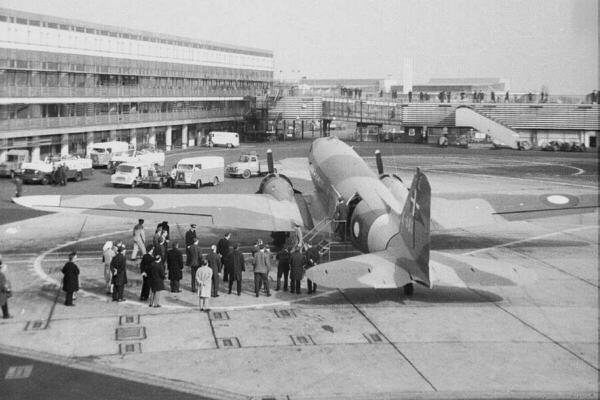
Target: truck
{"points": [[147, 156], [101, 153], [250, 165], [43, 171], [197, 171], [14, 159]]}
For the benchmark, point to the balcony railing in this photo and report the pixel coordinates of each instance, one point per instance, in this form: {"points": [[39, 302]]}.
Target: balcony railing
{"points": [[122, 91], [111, 119]]}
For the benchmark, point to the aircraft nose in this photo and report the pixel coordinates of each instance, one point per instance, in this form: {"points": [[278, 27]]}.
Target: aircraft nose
{"points": [[44, 203]]}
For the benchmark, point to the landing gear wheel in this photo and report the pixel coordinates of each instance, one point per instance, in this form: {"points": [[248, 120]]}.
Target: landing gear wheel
{"points": [[198, 184], [215, 181], [409, 289], [246, 174]]}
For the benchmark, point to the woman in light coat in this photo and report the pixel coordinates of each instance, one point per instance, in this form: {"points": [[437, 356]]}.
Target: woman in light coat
{"points": [[204, 284], [108, 252]]}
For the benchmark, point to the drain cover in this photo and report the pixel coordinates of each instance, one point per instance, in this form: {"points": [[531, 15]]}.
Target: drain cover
{"points": [[131, 332], [285, 313], [302, 340], [231, 342], [128, 348]]}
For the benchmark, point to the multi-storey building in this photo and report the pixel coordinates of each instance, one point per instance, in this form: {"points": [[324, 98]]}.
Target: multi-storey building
{"points": [[67, 84]]}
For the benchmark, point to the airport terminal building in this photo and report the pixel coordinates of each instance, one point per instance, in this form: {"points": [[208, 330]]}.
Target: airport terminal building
{"points": [[67, 84]]}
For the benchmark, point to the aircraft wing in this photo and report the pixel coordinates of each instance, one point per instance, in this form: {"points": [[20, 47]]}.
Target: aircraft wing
{"points": [[250, 211]]}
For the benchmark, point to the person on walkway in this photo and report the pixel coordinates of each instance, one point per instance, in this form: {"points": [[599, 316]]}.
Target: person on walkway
{"points": [[214, 262], [156, 280], [194, 260], [70, 279], [18, 186], [108, 252], [145, 265], [312, 258], [190, 235], [283, 268], [223, 249], [238, 265], [119, 266], [62, 171], [5, 290], [204, 278], [175, 265], [262, 266], [297, 266], [139, 240]]}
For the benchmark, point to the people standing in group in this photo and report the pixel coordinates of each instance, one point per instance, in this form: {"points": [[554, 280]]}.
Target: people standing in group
{"points": [[238, 264], [204, 278], [262, 266], [108, 252], [223, 250], [214, 262], [312, 258], [145, 266], [156, 280], [175, 266], [139, 240], [119, 266], [194, 259], [70, 278], [5, 290], [283, 268], [297, 266]]}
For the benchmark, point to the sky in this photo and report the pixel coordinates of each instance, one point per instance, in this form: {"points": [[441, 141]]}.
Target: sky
{"points": [[532, 43]]}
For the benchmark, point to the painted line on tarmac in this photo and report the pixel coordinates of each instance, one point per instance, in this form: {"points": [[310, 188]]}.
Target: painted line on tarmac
{"points": [[469, 253]]}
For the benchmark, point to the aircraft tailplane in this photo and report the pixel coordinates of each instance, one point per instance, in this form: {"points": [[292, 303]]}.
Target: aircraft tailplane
{"points": [[415, 227]]}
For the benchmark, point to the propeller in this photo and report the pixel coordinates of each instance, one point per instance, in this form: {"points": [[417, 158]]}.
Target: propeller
{"points": [[270, 161], [379, 162]]}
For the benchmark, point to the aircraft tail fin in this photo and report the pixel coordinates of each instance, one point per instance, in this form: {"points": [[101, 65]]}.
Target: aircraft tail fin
{"points": [[415, 226]]}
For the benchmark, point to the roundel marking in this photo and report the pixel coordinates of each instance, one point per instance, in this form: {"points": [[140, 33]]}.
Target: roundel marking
{"points": [[356, 229], [560, 200], [134, 202]]}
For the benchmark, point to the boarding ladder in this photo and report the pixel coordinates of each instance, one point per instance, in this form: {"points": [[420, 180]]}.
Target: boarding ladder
{"points": [[330, 243]]}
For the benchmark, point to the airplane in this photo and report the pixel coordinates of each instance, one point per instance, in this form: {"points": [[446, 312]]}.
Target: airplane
{"points": [[388, 222]]}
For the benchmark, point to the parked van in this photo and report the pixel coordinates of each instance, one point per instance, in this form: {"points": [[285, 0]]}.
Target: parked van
{"points": [[14, 160], [101, 153], [129, 174], [198, 171], [225, 139]]}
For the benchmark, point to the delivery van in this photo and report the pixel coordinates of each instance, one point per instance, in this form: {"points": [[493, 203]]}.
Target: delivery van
{"points": [[224, 139], [198, 171], [102, 153]]}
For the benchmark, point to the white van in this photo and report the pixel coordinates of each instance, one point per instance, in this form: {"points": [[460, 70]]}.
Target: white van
{"points": [[225, 139], [101, 153], [129, 174], [198, 171]]}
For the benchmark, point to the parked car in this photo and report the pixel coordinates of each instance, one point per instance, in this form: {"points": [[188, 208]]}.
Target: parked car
{"points": [[147, 156], [43, 171], [14, 159], [129, 174]]}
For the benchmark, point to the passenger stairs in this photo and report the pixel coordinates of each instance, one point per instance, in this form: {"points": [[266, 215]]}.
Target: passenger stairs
{"points": [[502, 135], [330, 245]]}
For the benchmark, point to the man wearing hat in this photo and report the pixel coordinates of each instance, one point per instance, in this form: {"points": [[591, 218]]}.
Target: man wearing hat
{"points": [[119, 266], [190, 235], [194, 258], [262, 265], [139, 240]]}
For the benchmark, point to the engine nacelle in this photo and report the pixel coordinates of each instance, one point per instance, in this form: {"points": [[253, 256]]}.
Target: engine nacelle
{"points": [[277, 185], [396, 186], [362, 221]]}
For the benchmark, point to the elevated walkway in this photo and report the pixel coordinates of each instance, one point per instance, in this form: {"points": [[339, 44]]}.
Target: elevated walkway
{"points": [[501, 134]]}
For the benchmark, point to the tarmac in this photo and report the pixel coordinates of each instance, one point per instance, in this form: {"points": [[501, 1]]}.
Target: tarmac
{"points": [[481, 341]]}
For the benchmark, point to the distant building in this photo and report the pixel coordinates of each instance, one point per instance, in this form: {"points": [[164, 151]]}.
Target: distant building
{"points": [[457, 85], [66, 84]]}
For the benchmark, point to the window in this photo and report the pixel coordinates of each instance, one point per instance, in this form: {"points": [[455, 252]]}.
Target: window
{"points": [[90, 30], [34, 22], [65, 27], [79, 29], [52, 25], [22, 21]]}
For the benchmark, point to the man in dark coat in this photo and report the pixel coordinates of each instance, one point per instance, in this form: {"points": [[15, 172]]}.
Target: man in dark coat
{"points": [[312, 258], [237, 262], [214, 262], [145, 264], [223, 249], [175, 265], [62, 171], [190, 235], [119, 266], [297, 265], [194, 260], [157, 280], [283, 268], [165, 227], [70, 279]]}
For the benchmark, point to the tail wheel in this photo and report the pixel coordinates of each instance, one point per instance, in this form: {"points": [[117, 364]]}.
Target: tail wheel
{"points": [[246, 174], [215, 181], [78, 177], [198, 184]]}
